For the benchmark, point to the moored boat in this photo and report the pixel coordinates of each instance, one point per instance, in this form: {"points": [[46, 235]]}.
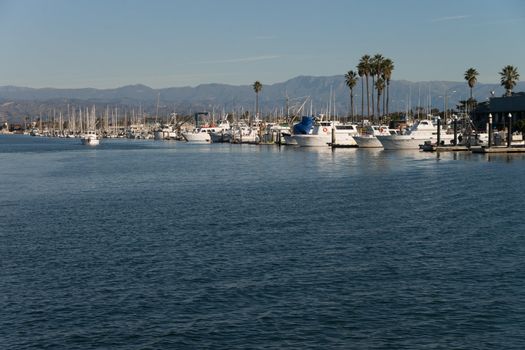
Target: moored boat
{"points": [[321, 135], [90, 138], [420, 132], [368, 139]]}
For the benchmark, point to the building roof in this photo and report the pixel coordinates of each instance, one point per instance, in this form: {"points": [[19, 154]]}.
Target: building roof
{"points": [[514, 103]]}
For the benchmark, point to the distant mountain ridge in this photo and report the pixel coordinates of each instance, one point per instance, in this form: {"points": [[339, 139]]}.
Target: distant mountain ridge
{"points": [[323, 91]]}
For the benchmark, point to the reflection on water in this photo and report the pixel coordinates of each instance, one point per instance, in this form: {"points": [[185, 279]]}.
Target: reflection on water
{"points": [[144, 244]]}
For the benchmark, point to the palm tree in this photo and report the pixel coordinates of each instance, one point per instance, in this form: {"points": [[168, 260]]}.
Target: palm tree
{"points": [[376, 63], [361, 73], [509, 78], [257, 87], [380, 85], [471, 75], [388, 68], [351, 81], [364, 67]]}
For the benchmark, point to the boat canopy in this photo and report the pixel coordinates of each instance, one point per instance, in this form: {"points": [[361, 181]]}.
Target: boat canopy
{"points": [[304, 126]]}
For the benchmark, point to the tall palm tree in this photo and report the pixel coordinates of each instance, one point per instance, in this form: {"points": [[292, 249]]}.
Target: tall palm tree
{"points": [[257, 87], [351, 81], [380, 85], [366, 67], [376, 63], [388, 68], [509, 78], [471, 76], [361, 73]]}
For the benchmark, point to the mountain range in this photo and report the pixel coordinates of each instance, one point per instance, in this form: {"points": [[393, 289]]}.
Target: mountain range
{"points": [[317, 94]]}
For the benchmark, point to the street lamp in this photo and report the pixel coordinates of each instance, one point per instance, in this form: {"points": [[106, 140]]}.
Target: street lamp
{"points": [[438, 131], [455, 130], [446, 104], [490, 130], [509, 135]]}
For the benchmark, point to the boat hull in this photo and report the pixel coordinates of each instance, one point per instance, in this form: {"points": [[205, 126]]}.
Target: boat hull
{"points": [[344, 140], [367, 141], [197, 137], [395, 142], [90, 141], [322, 140], [287, 139], [312, 140]]}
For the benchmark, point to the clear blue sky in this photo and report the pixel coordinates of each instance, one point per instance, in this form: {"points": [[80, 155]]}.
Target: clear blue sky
{"points": [[110, 43]]}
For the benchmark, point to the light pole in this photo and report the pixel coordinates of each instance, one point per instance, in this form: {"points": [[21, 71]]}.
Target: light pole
{"points": [[455, 130], [446, 104], [490, 130], [509, 134], [438, 131]]}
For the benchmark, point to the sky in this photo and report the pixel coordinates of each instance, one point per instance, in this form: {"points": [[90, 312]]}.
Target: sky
{"points": [[174, 43]]}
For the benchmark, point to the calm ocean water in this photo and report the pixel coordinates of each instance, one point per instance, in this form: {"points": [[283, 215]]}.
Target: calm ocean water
{"points": [[151, 245]]}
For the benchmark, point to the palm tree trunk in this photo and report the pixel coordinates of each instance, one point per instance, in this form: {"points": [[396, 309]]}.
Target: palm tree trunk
{"points": [[362, 98], [373, 104], [378, 104], [352, 103], [387, 95], [384, 103], [367, 98]]}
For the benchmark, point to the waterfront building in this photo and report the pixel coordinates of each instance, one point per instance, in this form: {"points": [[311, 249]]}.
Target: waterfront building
{"points": [[499, 107]]}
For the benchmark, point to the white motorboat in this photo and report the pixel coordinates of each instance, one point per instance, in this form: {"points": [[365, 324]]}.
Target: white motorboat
{"points": [[420, 132], [222, 132], [244, 133], [321, 135], [344, 135], [368, 139], [204, 133], [165, 132], [90, 138], [198, 135]]}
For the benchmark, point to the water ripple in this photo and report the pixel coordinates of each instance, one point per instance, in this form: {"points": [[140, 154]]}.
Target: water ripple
{"points": [[163, 245]]}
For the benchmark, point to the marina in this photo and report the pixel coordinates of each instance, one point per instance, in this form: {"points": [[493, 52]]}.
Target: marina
{"points": [[422, 134], [232, 175]]}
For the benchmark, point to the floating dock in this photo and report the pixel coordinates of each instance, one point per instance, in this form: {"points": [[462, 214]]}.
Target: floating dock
{"points": [[499, 149], [450, 148]]}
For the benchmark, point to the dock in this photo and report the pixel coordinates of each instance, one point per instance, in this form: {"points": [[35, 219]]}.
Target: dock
{"points": [[450, 148], [499, 149]]}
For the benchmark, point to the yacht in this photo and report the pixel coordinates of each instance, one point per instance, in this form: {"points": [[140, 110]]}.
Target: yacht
{"points": [[303, 127], [90, 138], [321, 135], [204, 133], [198, 135], [242, 132], [222, 132], [421, 131], [164, 132], [368, 139]]}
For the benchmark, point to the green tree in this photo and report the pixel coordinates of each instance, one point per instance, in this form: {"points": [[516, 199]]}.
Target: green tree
{"points": [[380, 85], [471, 76], [361, 73], [351, 78], [388, 68], [257, 87], [376, 71], [365, 67], [509, 78]]}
